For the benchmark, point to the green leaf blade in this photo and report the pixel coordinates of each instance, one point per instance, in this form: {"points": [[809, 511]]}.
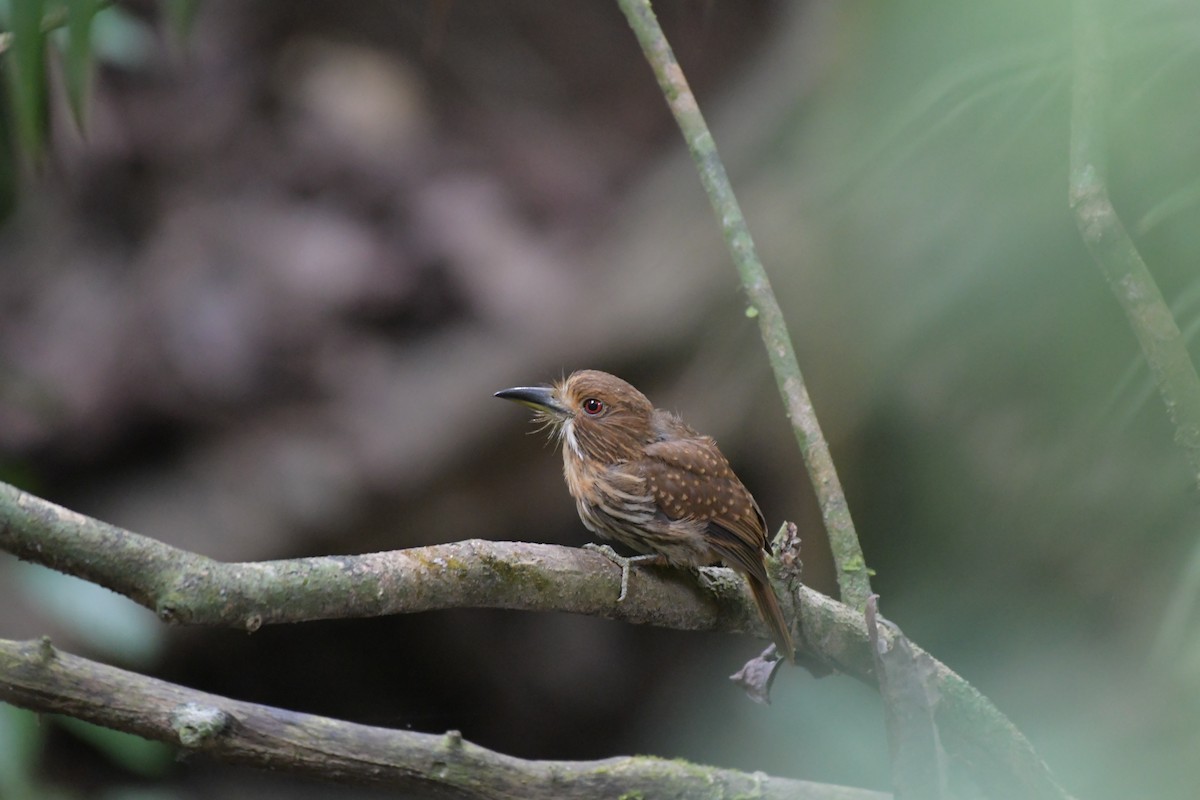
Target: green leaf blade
{"points": [[27, 74], [78, 68]]}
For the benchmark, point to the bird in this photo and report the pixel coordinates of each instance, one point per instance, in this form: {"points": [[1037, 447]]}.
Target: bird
{"points": [[641, 477]]}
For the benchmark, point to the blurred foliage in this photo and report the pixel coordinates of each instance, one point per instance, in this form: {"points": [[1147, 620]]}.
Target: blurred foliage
{"points": [[21, 740], [23, 734], [103, 620], [78, 31], [141, 757], [78, 55], [1014, 476], [108, 625], [26, 66]]}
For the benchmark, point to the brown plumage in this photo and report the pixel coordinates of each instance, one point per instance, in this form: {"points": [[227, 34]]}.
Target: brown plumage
{"points": [[642, 477]]}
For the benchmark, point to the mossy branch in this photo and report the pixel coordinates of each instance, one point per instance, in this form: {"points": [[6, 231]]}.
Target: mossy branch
{"points": [[852, 573], [38, 677], [185, 587], [182, 587]]}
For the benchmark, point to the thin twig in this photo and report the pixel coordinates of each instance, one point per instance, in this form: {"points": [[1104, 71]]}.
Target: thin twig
{"points": [[43, 679], [852, 573], [185, 587], [1114, 252], [1110, 244]]}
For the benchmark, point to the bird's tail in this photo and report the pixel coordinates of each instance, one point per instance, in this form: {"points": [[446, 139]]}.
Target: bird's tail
{"points": [[772, 614]]}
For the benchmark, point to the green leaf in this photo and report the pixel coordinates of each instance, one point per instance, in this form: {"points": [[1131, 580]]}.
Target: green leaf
{"points": [[80, 14], [27, 73]]}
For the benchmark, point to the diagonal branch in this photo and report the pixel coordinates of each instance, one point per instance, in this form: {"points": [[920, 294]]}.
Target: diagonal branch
{"points": [[185, 587], [40, 678], [1109, 242], [1129, 279], [852, 571]]}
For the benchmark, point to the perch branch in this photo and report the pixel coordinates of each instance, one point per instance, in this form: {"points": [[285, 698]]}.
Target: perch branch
{"points": [[185, 587], [40, 678], [852, 574]]}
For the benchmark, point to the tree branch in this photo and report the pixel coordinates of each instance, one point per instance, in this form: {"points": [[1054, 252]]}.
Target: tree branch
{"points": [[852, 573], [185, 587], [38, 677], [1110, 244], [1131, 282]]}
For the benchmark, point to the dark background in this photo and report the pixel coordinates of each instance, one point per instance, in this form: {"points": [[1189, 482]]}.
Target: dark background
{"points": [[259, 311]]}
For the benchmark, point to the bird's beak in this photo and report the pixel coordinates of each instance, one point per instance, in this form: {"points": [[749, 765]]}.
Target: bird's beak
{"points": [[539, 398]]}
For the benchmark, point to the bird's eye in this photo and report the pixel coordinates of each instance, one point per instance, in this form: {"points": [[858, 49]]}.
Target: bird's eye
{"points": [[593, 406]]}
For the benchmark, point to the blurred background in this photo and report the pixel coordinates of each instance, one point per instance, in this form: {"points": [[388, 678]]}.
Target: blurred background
{"points": [[259, 309]]}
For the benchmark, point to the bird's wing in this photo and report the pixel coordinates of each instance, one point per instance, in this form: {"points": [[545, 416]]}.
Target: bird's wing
{"points": [[690, 479]]}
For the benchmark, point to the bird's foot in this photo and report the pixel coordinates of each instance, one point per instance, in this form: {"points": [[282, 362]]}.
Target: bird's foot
{"points": [[712, 579], [624, 562]]}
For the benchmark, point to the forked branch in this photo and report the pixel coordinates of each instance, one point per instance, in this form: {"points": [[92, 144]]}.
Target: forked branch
{"points": [[188, 588]]}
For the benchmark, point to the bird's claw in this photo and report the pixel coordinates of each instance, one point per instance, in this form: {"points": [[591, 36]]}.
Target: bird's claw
{"points": [[624, 562], [708, 579]]}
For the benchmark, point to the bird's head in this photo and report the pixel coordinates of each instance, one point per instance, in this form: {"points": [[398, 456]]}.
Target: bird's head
{"points": [[597, 416]]}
